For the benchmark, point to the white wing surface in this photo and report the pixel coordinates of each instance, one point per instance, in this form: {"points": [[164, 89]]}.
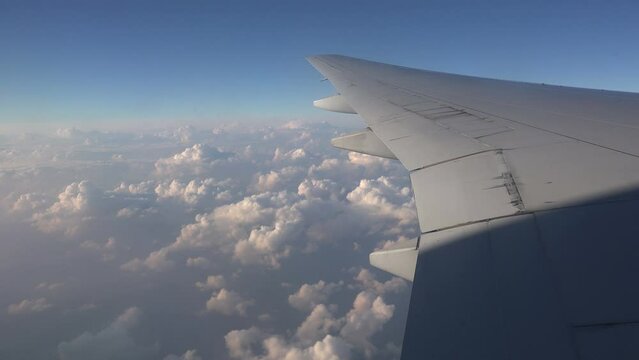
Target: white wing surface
{"points": [[527, 198]]}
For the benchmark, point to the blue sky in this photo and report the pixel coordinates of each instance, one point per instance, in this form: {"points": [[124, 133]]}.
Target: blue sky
{"points": [[125, 61]]}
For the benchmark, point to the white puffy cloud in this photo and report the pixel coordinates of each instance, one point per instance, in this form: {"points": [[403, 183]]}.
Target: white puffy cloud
{"points": [[319, 323], [157, 260], [143, 187], [350, 170], [310, 295], [324, 189], [106, 249], [266, 227], [329, 348], [188, 355], [189, 193], [68, 133], [228, 302], [402, 242], [368, 161], [183, 134], [276, 180], [270, 181], [263, 228], [242, 344], [268, 244], [213, 282], [28, 306], [29, 202], [368, 315], [255, 230], [320, 336], [197, 159], [112, 342], [72, 207], [198, 262], [127, 212], [292, 156], [367, 281], [381, 197]]}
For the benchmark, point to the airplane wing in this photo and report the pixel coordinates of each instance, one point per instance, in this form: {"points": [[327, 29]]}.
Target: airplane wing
{"points": [[528, 203]]}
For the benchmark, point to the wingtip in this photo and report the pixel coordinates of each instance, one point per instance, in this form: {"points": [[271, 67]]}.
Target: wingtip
{"points": [[315, 58], [319, 57]]}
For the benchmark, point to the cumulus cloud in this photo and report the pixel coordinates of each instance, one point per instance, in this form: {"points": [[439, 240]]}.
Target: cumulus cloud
{"points": [[310, 295], [324, 189], [268, 243], [320, 336], [193, 160], [270, 181], [70, 210], [189, 193], [183, 134], [143, 187], [281, 179], [380, 196], [28, 306], [352, 169], [228, 302], [367, 281], [267, 226], [368, 315], [402, 242], [213, 282], [242, 343], [255, 230], [112, 342], [198, 262], [261, 229], [106, 249], [294, 155], [319, 323], [68, 133], [188, 355], [29, 202]]}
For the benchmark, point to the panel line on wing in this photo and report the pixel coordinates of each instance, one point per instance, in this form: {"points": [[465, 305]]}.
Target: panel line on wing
{"points": [[515, 121], [449, 160]]}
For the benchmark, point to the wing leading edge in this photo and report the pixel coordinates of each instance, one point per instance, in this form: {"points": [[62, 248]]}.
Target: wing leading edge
{"points": [[521, 189]]}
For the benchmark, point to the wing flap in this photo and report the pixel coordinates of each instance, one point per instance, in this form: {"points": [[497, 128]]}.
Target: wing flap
{"points": [[334, 103], [399, 262], [418, 143], [365, 142], [466, 190]]}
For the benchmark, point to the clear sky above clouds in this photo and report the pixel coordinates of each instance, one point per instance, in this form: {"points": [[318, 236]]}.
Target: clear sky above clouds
{"points": [[92, 61]]}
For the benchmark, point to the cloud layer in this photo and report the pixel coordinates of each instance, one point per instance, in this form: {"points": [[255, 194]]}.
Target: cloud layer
{"points": [[257, 237]]}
